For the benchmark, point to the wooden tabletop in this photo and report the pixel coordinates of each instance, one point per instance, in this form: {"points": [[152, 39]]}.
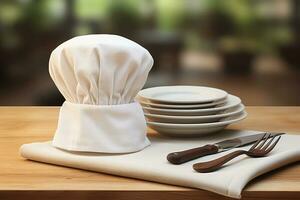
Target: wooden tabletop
{"points": [[23, 179]]}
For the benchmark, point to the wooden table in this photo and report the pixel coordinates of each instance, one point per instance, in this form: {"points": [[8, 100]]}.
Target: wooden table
{"points": [[23, 179]]}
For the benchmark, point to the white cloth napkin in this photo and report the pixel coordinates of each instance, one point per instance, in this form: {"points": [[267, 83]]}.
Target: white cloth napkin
{"points": [[151, 164], [99, 76]]}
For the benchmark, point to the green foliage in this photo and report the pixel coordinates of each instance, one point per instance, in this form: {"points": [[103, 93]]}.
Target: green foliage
{"points": [[91, 9], [248, 31], [124, 15], [171, 14], [43, 14], [9, 13]]}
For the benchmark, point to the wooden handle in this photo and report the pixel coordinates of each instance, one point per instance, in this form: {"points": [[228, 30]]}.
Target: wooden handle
{"points": [[187, 155], [213, 165]]}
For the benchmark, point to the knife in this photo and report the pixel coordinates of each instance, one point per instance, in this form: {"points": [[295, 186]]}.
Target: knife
{"points": [[190, 154]]}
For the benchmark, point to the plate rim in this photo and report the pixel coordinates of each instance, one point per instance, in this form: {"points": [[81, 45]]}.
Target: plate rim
{"points": [[142, 94], [182, 106], [239, 101], [243, 115], [192, 133], [239, 110]]}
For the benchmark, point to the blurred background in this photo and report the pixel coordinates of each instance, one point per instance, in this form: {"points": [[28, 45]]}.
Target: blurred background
{"points": [[250, 48]]}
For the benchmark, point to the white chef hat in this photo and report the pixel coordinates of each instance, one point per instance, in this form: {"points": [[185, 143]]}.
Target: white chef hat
{"points": [[99, 76]]}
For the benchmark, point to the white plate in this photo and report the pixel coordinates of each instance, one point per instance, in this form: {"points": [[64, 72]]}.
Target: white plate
{"points": [[182, 94], [194, 119], [144, 102], [232, 101], [194, 129]]}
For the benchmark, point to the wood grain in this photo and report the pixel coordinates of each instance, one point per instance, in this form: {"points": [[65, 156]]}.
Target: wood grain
{"points": [[22, 179]]}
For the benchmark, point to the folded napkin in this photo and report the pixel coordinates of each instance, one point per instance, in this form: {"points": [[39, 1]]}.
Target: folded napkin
{"points": [[99, 76], [151, 164]]}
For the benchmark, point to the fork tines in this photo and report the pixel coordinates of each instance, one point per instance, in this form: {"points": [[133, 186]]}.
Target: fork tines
{"points": [[263, 145]]}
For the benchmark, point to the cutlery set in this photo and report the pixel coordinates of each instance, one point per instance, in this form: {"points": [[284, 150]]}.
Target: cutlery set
{"points": [[264, 143]]}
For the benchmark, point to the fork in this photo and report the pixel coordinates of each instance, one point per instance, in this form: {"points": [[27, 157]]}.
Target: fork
{"points": [[258, 149]]}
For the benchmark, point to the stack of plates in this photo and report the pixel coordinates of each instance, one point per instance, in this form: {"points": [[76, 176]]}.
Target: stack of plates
{"points": [[189, 110]]}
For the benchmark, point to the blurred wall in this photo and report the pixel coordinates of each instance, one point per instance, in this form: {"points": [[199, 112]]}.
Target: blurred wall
{"points": [[249, 48]]}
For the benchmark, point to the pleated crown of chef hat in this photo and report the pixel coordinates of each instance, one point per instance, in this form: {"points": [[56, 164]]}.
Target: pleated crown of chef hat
{"points": [[99, 76]]}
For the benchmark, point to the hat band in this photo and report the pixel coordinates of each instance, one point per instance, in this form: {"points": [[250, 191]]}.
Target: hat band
{"points": [[101, 128]]}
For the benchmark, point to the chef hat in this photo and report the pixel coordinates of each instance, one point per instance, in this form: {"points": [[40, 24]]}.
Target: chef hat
{"points": [[99, 76]]}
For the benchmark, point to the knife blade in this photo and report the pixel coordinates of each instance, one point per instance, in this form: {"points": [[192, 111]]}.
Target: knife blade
{"points": [[190, 154]]}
